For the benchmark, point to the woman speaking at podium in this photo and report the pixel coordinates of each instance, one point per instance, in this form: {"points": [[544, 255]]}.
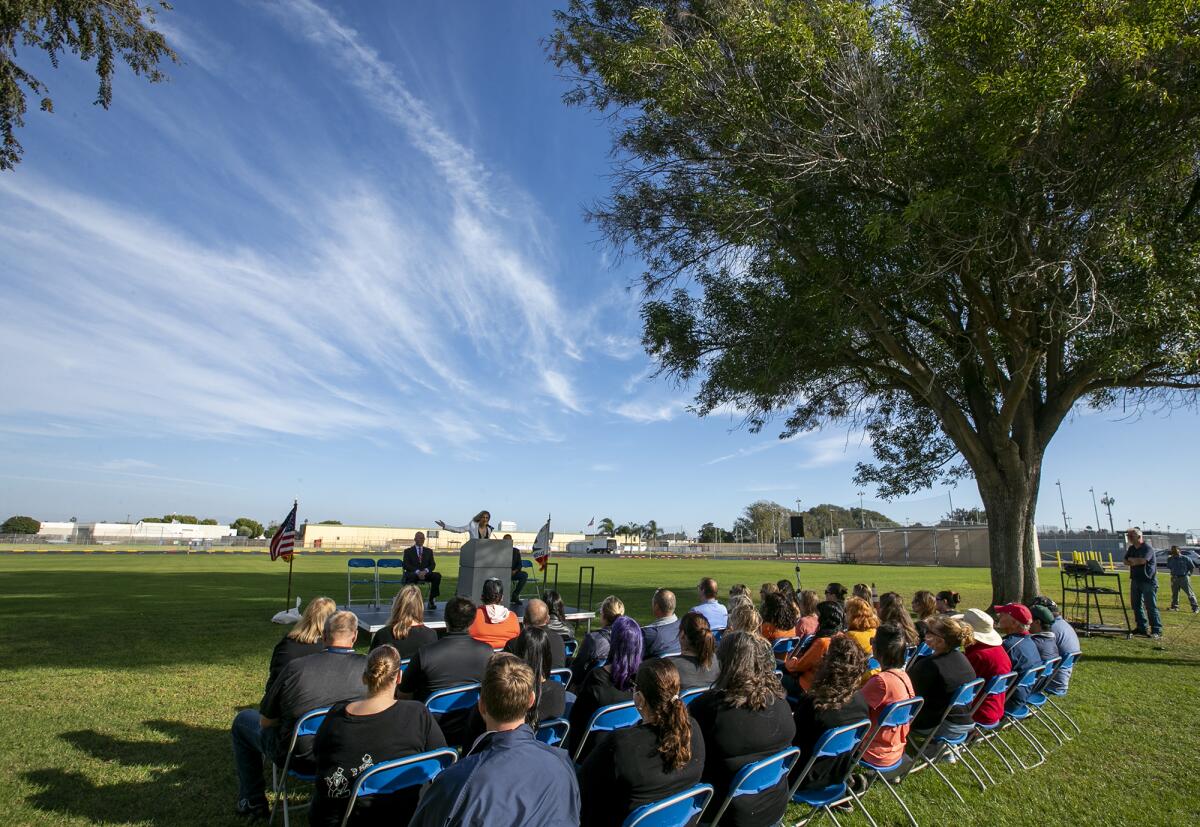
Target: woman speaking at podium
{"points": [[478, 528]]}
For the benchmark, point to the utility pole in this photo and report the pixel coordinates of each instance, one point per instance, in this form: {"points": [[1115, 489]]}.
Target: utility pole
{"points": [[862, 520], [1108, 502], [1092, 491], [1066, 524], [951, 498]]}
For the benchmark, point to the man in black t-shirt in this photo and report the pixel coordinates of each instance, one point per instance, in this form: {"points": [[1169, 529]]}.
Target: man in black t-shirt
{"points": [[519, 577], [305, 684], [455, 659]]}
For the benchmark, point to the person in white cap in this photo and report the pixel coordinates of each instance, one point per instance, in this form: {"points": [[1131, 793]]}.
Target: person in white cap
{"points": [[988, 658]]}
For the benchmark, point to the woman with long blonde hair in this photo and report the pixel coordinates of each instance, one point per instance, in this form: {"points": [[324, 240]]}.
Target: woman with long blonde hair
{"points": [[479, 528], [302, 639], [406, 629]]}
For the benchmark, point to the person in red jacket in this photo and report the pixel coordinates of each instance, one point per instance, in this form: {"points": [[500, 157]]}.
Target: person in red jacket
{"points": [[988, 658]]}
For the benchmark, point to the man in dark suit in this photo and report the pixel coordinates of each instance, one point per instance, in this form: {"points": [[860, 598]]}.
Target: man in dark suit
{"points": [[419, 567]]}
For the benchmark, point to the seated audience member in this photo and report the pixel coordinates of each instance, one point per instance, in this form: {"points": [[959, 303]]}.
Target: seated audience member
{"points": [[368, 731], [861, 622], [765, 589], [801, 667], [333, 674], [743, 617], [716, 614], [1012, 621], [697, 661], [835, 593], [862, 590], [738, 588], [833, 701], [661, 637], [1067, 640], [1040, 632], [744, 718], [550, 696], [305, 638], [611, 683], [947, 602], [924, 606], [558, 615], [538, 614], [456, 658], [594, 646], [419, 567], [737, 601], [786, 588], [891, 684], [937, 677], [406, 630], [778, 616], [659, 757], [806, 623], [508, 776], [892, 610], [494, 624], [988, 659]]}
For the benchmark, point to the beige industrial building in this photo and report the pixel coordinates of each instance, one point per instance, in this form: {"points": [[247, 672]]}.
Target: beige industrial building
{"points": [[382, 537]]}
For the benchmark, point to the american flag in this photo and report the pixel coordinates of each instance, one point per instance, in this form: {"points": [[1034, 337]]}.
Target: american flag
{"points": [[285, 537]]}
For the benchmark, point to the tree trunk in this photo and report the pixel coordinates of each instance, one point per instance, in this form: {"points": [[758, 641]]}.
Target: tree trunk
{"points": [[1011, 535]]}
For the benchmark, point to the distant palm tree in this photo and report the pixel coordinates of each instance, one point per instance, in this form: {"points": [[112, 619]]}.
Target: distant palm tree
{"points": [[606, 527], [650, 531]]}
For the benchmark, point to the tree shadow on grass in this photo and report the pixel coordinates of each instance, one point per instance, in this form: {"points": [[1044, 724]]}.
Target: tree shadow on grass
{"points": [[186, 779]]}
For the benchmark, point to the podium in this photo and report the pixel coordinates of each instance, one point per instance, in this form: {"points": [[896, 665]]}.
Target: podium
{"points": [[479, 560]]}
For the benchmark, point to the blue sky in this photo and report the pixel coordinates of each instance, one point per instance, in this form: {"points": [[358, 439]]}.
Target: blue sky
{"points": [[341, 256]]}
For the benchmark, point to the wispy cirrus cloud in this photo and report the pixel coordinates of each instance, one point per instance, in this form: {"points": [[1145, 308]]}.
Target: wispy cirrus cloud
{"points": [[647, 411], [361, 302]]}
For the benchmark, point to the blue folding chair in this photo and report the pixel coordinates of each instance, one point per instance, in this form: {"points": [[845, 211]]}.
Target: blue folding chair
{"points": [[873, 663], [306, 727], [1016, 717], [533, 578], [783, 647], [570, 647], [453, 699], [382, 579], [355, 576], [680, 810], [608, 719], [966, 699], [895, 714], [1052, 692], [1000, 685], [393, 776], [1037, 702], [910, 652], [759, 777], [689, 695], [553, 731], [833, 744], [923, 651], [561, 675]]}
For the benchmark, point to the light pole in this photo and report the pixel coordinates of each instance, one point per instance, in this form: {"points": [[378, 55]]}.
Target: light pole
{"points": [[950, 497], [1092, 491], [1066, 524], [862, 520], [1108, 502]]}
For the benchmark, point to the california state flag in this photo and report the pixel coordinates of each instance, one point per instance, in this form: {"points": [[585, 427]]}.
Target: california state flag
{"points": [[541, 546]]}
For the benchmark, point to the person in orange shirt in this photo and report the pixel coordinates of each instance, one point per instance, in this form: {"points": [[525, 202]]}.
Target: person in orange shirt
{"points": [[892, 684], [494, 624], [801, 667], [779, 616]]}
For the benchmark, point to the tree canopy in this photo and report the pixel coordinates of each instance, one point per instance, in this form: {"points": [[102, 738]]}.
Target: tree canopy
{"points": [[943, 222], [101, 30], [18, 524], [247, 527]]}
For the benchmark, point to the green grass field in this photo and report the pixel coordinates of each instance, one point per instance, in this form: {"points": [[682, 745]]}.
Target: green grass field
{"points": [[121, 676]]}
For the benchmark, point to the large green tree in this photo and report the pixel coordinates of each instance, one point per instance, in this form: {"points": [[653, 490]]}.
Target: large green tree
{"points": [[247, 527], [946, 222], [104, 31], [18, 524]]}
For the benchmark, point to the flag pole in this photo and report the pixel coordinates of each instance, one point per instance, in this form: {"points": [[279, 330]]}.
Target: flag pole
{"points": [[291, 556]]}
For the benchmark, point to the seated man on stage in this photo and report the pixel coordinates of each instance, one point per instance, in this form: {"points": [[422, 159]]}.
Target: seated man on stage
{"points": [[519, 577], [419, 567]]}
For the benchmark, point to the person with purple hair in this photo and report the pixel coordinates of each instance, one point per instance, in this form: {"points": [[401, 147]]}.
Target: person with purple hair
{"points": [[611, 683]]}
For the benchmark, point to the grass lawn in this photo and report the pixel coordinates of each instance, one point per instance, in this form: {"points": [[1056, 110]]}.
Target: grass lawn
{"points": [[120, 677]]}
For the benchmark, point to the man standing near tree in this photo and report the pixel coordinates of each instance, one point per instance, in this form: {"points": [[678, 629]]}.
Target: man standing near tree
{"points": [[1143, 584]]}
